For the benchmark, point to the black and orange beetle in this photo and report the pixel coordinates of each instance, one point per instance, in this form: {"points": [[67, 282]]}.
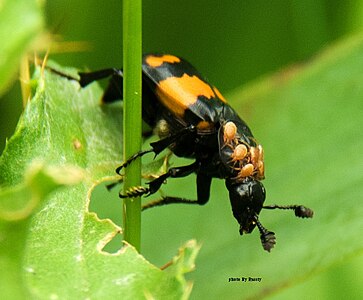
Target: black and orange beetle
{"points": [[193, 119]]}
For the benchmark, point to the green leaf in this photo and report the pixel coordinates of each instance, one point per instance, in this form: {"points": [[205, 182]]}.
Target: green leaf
{"points": [[309, 119], [21, 23], [18, 202], [52, 246]]}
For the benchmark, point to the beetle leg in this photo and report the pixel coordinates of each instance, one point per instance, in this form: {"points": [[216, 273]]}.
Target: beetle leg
{"points": [[111, 185], [166, 142], [132, 158], [155, 185], [158, 146], [114, 89], [203, 188], [300, 210], [88, 77], [178, 172], [168, 200]]}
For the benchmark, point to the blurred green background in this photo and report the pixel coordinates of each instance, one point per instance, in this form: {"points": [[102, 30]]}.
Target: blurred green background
{"points": [[231, 42]]}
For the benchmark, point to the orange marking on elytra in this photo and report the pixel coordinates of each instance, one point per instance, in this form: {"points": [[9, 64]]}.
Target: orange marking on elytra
{"points": [[178, 93], [219, 95], [157, 61], [205, 126]]}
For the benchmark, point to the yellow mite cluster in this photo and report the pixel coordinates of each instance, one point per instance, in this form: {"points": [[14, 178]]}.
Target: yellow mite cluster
{"points": [[247, 160]]}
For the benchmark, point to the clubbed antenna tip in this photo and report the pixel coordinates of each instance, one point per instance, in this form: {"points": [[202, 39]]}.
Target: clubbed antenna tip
{"points": [[300, 210], [268, 238], [303, 212]]}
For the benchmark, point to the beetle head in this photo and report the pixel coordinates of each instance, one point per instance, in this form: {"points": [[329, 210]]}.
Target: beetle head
{"points": [[247, 198]]}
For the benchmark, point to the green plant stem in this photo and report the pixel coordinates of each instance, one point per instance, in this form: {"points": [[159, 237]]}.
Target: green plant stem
{"points": [[132, 116]]}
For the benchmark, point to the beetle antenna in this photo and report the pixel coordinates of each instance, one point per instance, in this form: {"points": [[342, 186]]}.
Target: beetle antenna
{"points": [[268, 238], [300, 210]]}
